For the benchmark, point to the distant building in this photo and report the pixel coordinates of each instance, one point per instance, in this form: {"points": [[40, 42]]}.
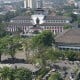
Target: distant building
{"points": [[59, 1], [47, 4], [76, 11], [28, 25], [33, 4], [69, 40], [78, 4], [27, 3], [70, 2]]}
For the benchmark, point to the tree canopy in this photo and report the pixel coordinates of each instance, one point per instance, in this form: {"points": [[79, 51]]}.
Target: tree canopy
{"points": [[7, 73], [55, 76], [45, 39]]}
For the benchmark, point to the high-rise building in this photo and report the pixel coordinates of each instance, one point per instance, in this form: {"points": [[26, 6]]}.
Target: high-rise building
{"points": [[27, 3], [33, 3]]}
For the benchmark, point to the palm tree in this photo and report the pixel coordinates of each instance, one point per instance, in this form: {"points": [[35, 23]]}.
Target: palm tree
{"points": [[23, 74], [26, 44], [12, 46]]}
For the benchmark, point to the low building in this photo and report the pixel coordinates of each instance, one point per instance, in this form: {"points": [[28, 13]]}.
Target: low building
{"points": [[27, 23], [69, 40]]}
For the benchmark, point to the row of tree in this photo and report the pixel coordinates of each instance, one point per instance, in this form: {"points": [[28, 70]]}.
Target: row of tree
{"points": [[9, 45], [40, 47]]}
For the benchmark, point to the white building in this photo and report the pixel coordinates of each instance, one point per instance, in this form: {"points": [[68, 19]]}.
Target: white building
{"points": [[33, 3], [27, 3]]}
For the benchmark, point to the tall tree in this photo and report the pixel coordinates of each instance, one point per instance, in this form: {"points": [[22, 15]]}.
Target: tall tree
{"points": [[2, 46], [26, 45], [3, 32], [45, 38], [40, 43], [12, 45], [55, 76]]}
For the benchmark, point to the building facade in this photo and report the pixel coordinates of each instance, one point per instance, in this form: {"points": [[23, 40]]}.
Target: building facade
{"points": [[28, 24]]}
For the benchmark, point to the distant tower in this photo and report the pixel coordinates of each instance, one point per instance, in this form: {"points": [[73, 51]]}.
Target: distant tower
{"points": [[39, 3], [27, 3], [33, 3]]}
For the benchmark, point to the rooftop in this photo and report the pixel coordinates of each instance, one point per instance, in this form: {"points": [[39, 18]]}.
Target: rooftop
{"points": [[69, 36], [22, 18], [49, 17], [11, 24], [18, 24], [57, 18], [54, 24]]}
